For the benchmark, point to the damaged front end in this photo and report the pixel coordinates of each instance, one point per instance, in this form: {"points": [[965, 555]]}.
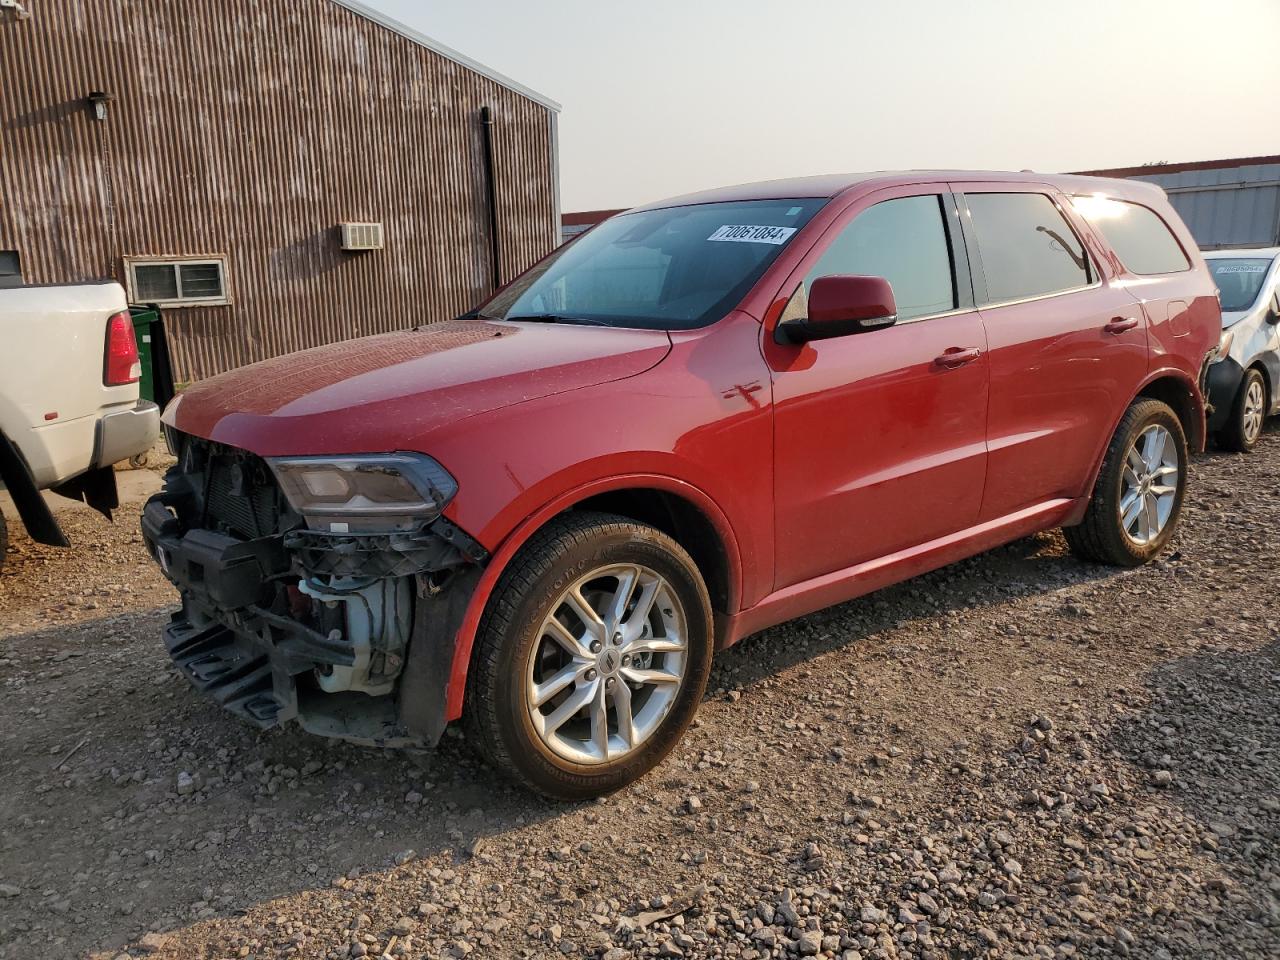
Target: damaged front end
{"points": [[322, 589]]}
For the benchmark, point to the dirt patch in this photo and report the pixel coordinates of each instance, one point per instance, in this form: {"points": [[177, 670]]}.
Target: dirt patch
{"points": [[1017, 756]]}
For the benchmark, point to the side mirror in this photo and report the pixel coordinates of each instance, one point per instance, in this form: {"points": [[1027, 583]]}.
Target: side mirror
{"points": [[1273, 315], [840, 306]]}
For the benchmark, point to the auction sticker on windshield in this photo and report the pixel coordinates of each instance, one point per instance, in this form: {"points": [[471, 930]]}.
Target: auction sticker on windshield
{"points": [[741, 233]]}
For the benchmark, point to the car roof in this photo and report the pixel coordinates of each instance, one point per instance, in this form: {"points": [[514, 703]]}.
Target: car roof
{"points": [[829, 186], [1242, 252]]}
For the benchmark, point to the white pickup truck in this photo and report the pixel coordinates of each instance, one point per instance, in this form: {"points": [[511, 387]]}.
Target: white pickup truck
{"points": [[69, 401]]}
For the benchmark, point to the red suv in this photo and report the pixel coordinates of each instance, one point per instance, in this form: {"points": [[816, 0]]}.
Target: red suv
{"points": [[702, 417]]}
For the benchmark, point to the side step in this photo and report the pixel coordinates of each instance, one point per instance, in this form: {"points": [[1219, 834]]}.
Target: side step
{"points": [[236, 678]]}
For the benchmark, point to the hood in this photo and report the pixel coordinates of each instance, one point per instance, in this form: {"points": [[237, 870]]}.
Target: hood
{"points": [[1234, 317], [381, 393]]}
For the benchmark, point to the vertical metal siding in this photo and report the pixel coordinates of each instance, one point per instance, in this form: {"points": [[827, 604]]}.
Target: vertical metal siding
{"points": [[252, 130], [1228, 206]]}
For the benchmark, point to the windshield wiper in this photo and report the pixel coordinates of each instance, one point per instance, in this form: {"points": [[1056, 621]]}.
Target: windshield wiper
{"points": [[553, 318]]}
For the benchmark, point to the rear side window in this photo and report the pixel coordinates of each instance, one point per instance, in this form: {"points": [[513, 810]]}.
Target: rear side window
{"points": [[1136, 233], [904, 241], [1027, 247]]}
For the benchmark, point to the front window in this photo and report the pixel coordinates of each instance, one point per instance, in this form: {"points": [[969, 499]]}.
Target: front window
{"points": [[1239, 280], [670, 269], [903, 240]]}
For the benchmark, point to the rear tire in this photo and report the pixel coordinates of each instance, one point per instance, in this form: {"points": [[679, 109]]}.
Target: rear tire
{"points": [[591, 657], [1137, 499], [1248, 414]]}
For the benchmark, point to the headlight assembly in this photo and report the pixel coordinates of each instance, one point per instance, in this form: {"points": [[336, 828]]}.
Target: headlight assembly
{"points": [[367, 493], [1224, 345]]}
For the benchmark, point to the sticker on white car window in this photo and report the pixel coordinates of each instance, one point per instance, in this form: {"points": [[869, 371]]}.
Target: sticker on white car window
{"points": [[742, 233], [1243, 268]]}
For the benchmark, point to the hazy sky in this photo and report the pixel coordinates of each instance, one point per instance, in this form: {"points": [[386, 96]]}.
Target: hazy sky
{"points": [[663, 96]]}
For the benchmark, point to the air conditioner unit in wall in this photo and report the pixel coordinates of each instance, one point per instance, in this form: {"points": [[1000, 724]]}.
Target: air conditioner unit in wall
{"points": [[361, 236]]}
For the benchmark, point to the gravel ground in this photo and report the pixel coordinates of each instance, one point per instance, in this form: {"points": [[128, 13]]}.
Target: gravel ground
{"points": [[1017, 756]]}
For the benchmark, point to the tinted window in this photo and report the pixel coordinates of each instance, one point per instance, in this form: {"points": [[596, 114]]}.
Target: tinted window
{"points": [[668, 269], [1239, 280], [1027, 248], [1139, 237], [904, 241]]}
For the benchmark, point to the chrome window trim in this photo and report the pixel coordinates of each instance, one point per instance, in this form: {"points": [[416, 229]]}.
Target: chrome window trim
{"points": [[936, 316], [1043, 296]]}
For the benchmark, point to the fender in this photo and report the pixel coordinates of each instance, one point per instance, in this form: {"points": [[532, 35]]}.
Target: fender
{"points": [[464, 640], [35, 513], [1194, 443]]}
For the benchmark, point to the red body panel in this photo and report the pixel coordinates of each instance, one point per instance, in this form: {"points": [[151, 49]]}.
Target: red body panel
{"points": [[879, 446], [827, 469], [392, 392]]}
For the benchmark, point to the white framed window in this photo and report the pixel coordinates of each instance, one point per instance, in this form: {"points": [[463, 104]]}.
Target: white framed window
{"points": [[178, 281]]}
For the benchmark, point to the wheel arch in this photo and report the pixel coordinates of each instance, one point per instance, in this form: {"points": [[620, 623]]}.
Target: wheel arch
{"points": [[1259, 363], [682, 511], [35, 513], [1171, 387], [1174, 389]]}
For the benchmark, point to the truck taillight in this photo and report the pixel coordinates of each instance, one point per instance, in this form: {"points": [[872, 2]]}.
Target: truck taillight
{"points": [[122, 366]]}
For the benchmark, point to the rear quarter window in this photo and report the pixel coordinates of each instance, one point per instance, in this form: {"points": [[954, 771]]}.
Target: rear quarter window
{"points": [[1141, 239]]}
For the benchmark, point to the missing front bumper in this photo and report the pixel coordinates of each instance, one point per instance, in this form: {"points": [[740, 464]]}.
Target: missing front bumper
{"points": [[264, 630]]}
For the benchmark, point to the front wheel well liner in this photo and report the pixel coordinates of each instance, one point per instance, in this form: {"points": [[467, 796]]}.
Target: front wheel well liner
{"points": [[679, 519]]}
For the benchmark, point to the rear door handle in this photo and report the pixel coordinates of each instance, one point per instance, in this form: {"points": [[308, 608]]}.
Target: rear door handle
{"points": [[958, 357], [1121, 324]]}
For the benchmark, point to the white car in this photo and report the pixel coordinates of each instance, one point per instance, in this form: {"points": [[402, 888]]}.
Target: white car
{"points": [[69, 400], [1244, 380]]}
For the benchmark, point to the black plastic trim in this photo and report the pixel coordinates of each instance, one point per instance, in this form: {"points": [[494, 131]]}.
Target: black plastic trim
{"points": [[35, 513]]}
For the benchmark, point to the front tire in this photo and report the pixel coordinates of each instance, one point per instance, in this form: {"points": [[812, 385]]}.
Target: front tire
{"points": [[591, 657], [1137, 498], [1248, 413]]}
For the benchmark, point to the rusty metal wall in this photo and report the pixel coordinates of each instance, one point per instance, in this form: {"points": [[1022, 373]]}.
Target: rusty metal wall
{"points": [[252, 131]]}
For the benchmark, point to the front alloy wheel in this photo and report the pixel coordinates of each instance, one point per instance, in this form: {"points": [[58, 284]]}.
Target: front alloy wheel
{"points": [[591, 658], [1248, 414], [607, 665]]}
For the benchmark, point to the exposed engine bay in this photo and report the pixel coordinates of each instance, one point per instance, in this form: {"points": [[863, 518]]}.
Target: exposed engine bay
{"points": [[313, 614]]}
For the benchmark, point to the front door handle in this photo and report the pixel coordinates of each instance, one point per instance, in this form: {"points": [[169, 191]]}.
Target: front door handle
{"points": [[958, 357], [1121, 324]]}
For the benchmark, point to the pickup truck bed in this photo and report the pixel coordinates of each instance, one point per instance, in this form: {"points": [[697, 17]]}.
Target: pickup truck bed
{"points": [[67, 413]]}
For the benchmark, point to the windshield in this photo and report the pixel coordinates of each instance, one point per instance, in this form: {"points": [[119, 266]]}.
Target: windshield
{"points": [[671, 269], [1239, 280]]}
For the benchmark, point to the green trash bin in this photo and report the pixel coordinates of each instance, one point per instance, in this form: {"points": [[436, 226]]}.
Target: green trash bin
{"points": [[142, 320]]}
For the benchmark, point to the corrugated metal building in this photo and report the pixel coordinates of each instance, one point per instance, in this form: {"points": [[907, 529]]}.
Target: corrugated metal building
{"points": [[207, 155], [1225, 203]]}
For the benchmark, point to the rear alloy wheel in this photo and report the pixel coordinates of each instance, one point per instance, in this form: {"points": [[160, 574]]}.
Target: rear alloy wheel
{"points": [[1137, 498], [1248, 413], [591, 658]]}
